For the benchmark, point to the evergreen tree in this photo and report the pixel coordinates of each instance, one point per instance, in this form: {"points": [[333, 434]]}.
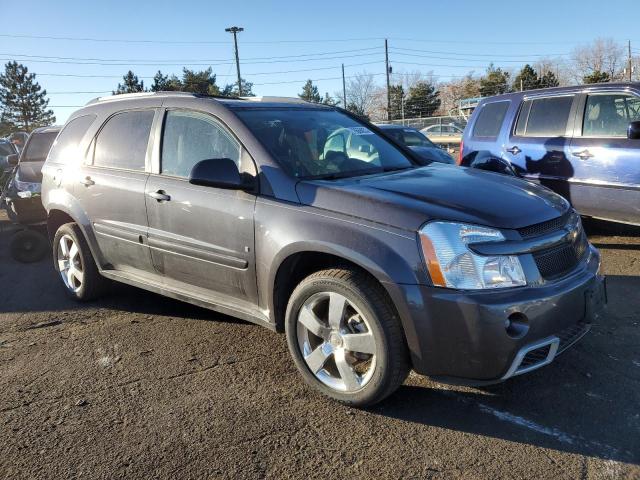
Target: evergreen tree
{"points": [[396, 97], [597, 77], [310, 93], [422, 100], [549, 79], [130, 84], [203, 82], [23, 103], [527, 79], [357, 110], [495, 82], [231, 89], [329, 100], [165, 83]]}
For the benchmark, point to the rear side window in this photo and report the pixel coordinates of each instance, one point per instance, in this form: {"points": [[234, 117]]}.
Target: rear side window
{"points": [[490, 119], [609, 115], [544, 117], [122, 142], [190, 137], [65, 147], [38, 146]]}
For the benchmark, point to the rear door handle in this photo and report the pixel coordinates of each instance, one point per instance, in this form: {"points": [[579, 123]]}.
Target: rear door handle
{"points": [[160, 196], [582, 154], [514, 150], [87, 182]]}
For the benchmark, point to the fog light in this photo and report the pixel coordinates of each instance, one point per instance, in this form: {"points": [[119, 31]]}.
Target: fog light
{"points": [[517, 325]]}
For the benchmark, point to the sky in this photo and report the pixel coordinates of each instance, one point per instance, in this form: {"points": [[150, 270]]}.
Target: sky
{"points": [[93, 43]]}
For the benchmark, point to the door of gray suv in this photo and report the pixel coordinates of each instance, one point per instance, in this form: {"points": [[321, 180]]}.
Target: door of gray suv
{"points": [[606, 163], [201, 238], [110, 188]]}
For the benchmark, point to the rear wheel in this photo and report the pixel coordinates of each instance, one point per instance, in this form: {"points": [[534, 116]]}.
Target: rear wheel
{"points": [[74, 263], [345, 337], [28, 246]]}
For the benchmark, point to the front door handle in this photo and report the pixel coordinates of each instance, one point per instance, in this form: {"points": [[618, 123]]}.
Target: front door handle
{"points": [[514, 150], [160, 196], [87, 182], [583, 154]]}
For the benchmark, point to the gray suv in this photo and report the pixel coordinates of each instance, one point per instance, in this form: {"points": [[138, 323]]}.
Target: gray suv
{"points": [[372, 264]]}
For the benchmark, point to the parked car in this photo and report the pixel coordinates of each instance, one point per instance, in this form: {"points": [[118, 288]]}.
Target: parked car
{"points": [[23, 193], [371, 267], [447, 136], [6, 149], [19, 139], [417, 142], [582, 142]]}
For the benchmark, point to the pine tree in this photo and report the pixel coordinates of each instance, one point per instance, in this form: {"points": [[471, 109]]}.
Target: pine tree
{"points": [[203, 82], [329, 100], [527, 79], [495, 82], [130, 84], [231, 89], [549, 79], [422, 100], [597, 77], [165, 83], [396, 97], [310, 93], [357, 110], [23, 102]]}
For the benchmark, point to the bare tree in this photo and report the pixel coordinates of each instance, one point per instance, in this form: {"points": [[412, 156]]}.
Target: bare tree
{"points": [[603, 55], [360, 93], [455, 90]]}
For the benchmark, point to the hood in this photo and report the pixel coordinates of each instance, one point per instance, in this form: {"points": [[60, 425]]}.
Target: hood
{"points": [[408, 198], [30, 172], [434, 154]]}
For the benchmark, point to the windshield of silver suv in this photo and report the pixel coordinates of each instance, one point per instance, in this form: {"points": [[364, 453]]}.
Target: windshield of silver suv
{"points": [[314, 143], [38, 147]]}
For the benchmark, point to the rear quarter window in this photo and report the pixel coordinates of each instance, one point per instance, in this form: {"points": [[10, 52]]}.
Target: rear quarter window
{"points": [[64, 149], [490, 119]]}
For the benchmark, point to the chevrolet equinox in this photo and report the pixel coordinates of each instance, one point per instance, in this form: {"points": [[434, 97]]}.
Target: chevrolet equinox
{"points": [[371, 262]]}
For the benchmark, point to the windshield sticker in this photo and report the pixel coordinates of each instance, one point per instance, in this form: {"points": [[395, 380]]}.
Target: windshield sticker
{"points": [[360, 131]]}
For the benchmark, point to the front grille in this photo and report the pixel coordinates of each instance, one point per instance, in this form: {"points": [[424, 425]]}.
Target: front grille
{"points": [[558, 261], [544, 227], [570, 335], [534, 357]]}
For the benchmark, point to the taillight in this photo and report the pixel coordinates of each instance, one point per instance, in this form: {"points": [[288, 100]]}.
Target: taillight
{"points": [[460, 154]]}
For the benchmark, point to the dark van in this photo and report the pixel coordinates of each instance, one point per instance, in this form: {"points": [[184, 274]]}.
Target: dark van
{"points": [[583, 142]]}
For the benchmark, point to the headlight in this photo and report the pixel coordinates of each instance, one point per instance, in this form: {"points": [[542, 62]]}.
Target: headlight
{"points": [[451, 263], [27, 186]]}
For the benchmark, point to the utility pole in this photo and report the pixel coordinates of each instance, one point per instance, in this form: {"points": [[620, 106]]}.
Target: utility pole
{"points": [[235, 31], [344, 89], [386, 61], [630, 66], [402, 105]]}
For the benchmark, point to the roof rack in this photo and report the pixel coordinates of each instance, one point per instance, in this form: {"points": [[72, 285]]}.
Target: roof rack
{"points": [[274, 99], [125, 96]]}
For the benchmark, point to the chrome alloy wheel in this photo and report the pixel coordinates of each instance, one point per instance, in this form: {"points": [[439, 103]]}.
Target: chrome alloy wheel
{"points": [[69, 263], [336, 341]]}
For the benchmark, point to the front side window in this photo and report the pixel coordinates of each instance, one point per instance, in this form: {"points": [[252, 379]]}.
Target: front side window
{"points": [[189, 137], [609, 115], [544, 117], [38, 146], [123, 140], [65, 146], [310, 142], [490, 119]]}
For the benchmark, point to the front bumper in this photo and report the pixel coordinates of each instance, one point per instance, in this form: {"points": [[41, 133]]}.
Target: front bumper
{"points": [[488, 336]]}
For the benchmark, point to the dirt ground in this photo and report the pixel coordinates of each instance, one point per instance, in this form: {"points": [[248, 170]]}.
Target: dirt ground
{"points": [[140, 386]]}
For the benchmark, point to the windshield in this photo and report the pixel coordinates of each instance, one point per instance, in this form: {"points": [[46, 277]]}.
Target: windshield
{"points": [[38, 147], [409, 137], [313, 143]]}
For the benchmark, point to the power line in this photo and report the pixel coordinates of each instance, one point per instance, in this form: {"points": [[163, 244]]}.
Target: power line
{"points": [[480, 54], [458, 58]]}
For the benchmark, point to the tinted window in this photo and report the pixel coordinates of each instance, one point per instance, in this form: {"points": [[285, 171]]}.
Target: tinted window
{"points": [[610, 115], [122, 142], [6, 149], [547, 117], [64, 148], [38, 146], [303, 141], [190, 137], [490, 119]]}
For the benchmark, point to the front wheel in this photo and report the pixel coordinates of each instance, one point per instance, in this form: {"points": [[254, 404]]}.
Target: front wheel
{"points": [[345, 337], [74, 263]]}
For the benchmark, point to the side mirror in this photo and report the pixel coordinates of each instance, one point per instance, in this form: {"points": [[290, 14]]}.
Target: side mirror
{"points": [[633, 131], [13, 159], [220, 173]]}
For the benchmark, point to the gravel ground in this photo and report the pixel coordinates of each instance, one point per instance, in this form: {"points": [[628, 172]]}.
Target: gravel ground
{"points": [[138, 385]]}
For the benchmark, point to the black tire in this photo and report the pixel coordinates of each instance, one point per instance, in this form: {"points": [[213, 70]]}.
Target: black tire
{"points": [[28, 246], [392, 363], [93, 284]]}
